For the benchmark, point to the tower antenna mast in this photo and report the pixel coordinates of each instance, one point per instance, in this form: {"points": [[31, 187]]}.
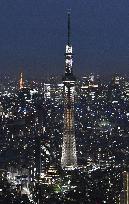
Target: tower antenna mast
{"points": [[69, 27]]}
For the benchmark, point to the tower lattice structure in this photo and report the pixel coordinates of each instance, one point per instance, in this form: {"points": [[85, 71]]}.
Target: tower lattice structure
{"points": [[69, 157]]}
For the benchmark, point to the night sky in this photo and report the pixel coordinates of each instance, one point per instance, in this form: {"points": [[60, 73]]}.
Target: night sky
{"points": [[33, 34]]}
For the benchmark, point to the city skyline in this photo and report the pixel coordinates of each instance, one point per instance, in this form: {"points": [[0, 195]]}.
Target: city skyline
{"points": [[64, 139], [33, 35]]}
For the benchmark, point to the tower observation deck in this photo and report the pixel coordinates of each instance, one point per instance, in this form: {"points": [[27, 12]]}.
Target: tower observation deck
{"points": [[69, 157]]}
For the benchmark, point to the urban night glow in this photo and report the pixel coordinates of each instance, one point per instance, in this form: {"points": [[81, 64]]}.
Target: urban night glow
{"points": [[64, 133]]}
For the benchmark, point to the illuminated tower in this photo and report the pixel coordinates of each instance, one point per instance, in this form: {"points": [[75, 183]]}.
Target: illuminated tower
{"points": [[126, 187], [124, 196], [69, 157], [21, 81]]}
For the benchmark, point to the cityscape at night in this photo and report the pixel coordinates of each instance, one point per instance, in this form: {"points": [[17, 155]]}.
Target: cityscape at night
{"points": [[64, 132]]}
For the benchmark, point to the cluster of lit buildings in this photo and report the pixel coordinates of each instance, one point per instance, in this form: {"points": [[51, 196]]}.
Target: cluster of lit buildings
{"points": [[32, 123]]}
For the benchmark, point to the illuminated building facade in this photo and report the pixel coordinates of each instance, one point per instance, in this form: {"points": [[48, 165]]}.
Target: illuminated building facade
{"points": [[124, 196], [69, 158]]}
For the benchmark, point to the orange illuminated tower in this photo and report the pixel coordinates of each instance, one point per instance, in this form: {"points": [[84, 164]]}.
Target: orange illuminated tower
{"points": [[21, 84], [69, 157]]}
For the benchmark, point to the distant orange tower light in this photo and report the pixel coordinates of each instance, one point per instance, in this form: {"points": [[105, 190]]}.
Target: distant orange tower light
{"points": [[21, 81]]}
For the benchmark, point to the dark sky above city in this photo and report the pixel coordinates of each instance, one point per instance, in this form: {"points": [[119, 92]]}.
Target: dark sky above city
{"points": [[33, 34]]}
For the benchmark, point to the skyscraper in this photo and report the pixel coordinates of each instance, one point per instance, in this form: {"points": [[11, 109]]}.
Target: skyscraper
{"points": [[124, 197], [69, 157]]}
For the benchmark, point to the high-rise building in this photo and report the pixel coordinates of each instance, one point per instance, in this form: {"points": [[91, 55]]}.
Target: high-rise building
{"points": [[124, 196], [69, 157]]}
